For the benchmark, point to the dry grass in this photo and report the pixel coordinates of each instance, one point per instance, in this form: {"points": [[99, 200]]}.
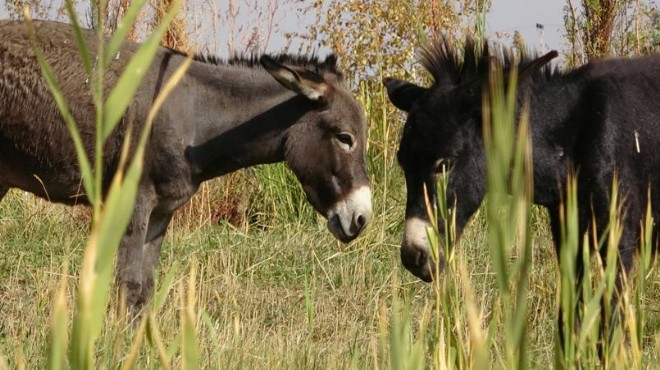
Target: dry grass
{"points": [[258, 290]]}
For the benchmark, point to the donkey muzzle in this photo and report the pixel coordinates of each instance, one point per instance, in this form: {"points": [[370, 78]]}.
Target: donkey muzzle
{"points": [[416, 251], [349, 216]]}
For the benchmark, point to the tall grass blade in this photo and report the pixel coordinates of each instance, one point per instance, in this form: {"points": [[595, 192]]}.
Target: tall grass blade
{"points": [[404, 352], [122, 94], [3, 361], [568, 254], [80, 39], [123, 28], [102, 248], [309, 306], [109, 225], [189, 349], [136, 345], [509, 198], [643, 274], [165, 286], [59, 326], [156, 341]]}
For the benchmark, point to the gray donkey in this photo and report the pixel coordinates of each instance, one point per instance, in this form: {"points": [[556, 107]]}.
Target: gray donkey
{"points": [[222, 116]]}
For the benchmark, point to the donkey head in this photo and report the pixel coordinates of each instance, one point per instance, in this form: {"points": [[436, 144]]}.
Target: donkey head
{"points": [[326, 148], [432, 141], [443, 133]]}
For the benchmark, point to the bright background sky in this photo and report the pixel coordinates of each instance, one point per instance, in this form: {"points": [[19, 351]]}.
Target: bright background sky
{"points": [[523, 15]]}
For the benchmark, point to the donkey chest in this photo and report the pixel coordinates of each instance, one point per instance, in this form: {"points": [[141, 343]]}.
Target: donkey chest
{"points": [[170, 177], [172, 195]]}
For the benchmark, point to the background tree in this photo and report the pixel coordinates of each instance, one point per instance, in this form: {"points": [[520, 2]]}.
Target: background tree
{"points": [[382, 36], [176, 36], [598, 28]]}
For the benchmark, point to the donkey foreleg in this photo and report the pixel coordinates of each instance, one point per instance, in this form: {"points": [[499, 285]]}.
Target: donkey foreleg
{"points": [[158, 224], [130, 254]]}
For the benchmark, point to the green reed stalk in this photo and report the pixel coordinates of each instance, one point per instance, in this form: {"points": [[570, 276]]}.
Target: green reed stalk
{"points": [[112, 214], [568, 255], [587, 341], [405, 352], [189, 340], [643, 275], [509, 198], [451, 351]]}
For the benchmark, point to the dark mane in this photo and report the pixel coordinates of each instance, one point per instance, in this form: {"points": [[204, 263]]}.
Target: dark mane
{"points": [[450, 64], [329, 64], [312, 62]]}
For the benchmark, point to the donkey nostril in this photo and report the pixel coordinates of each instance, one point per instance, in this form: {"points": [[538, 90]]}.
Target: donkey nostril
{"points": [[421, 259], [361, 221], [414, 258]]}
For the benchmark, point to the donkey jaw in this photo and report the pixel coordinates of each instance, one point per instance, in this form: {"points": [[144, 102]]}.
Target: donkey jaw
{"points": [[415, 249], [348, 217]]}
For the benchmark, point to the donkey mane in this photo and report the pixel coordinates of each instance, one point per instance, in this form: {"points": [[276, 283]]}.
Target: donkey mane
{"points": [[451, 65], [312, 62]]}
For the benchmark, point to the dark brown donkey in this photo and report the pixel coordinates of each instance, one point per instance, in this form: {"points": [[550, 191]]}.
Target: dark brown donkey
{"points": [[222, 116]]}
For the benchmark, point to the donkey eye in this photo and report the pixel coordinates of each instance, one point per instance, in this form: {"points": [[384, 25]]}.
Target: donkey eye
{"points": [[345, 139]]}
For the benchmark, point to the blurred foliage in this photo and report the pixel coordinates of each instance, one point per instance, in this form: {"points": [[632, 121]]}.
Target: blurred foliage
{"points": [[639, 29], [599, 16], [243, 26], [38, 8], [597, 28], [381, 36], [176, 36]]}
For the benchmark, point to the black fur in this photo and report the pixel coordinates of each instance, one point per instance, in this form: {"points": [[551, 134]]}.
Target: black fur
{"points": [[601, 120]]}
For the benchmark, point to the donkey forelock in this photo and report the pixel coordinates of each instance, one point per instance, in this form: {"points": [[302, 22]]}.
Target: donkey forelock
{"points": [[452, 65]]}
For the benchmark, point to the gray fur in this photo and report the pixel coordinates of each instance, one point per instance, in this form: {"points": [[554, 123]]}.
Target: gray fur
{"points": [[220, 118]]}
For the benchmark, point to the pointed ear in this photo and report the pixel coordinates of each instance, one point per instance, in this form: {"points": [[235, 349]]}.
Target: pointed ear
{"points": [[536, 64], [402, 93], [304, 82]]}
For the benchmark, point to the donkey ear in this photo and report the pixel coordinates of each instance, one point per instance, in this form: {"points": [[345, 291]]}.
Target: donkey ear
{"points": [[402, 93], [304, 82], [536, 64]]}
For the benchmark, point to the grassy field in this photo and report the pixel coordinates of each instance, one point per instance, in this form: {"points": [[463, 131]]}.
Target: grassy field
{"points": [[286, 296], [283, 296]]}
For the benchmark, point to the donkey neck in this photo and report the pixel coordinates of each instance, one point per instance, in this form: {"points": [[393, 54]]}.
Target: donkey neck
{"points": [[242, 119], [556, 120]]}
